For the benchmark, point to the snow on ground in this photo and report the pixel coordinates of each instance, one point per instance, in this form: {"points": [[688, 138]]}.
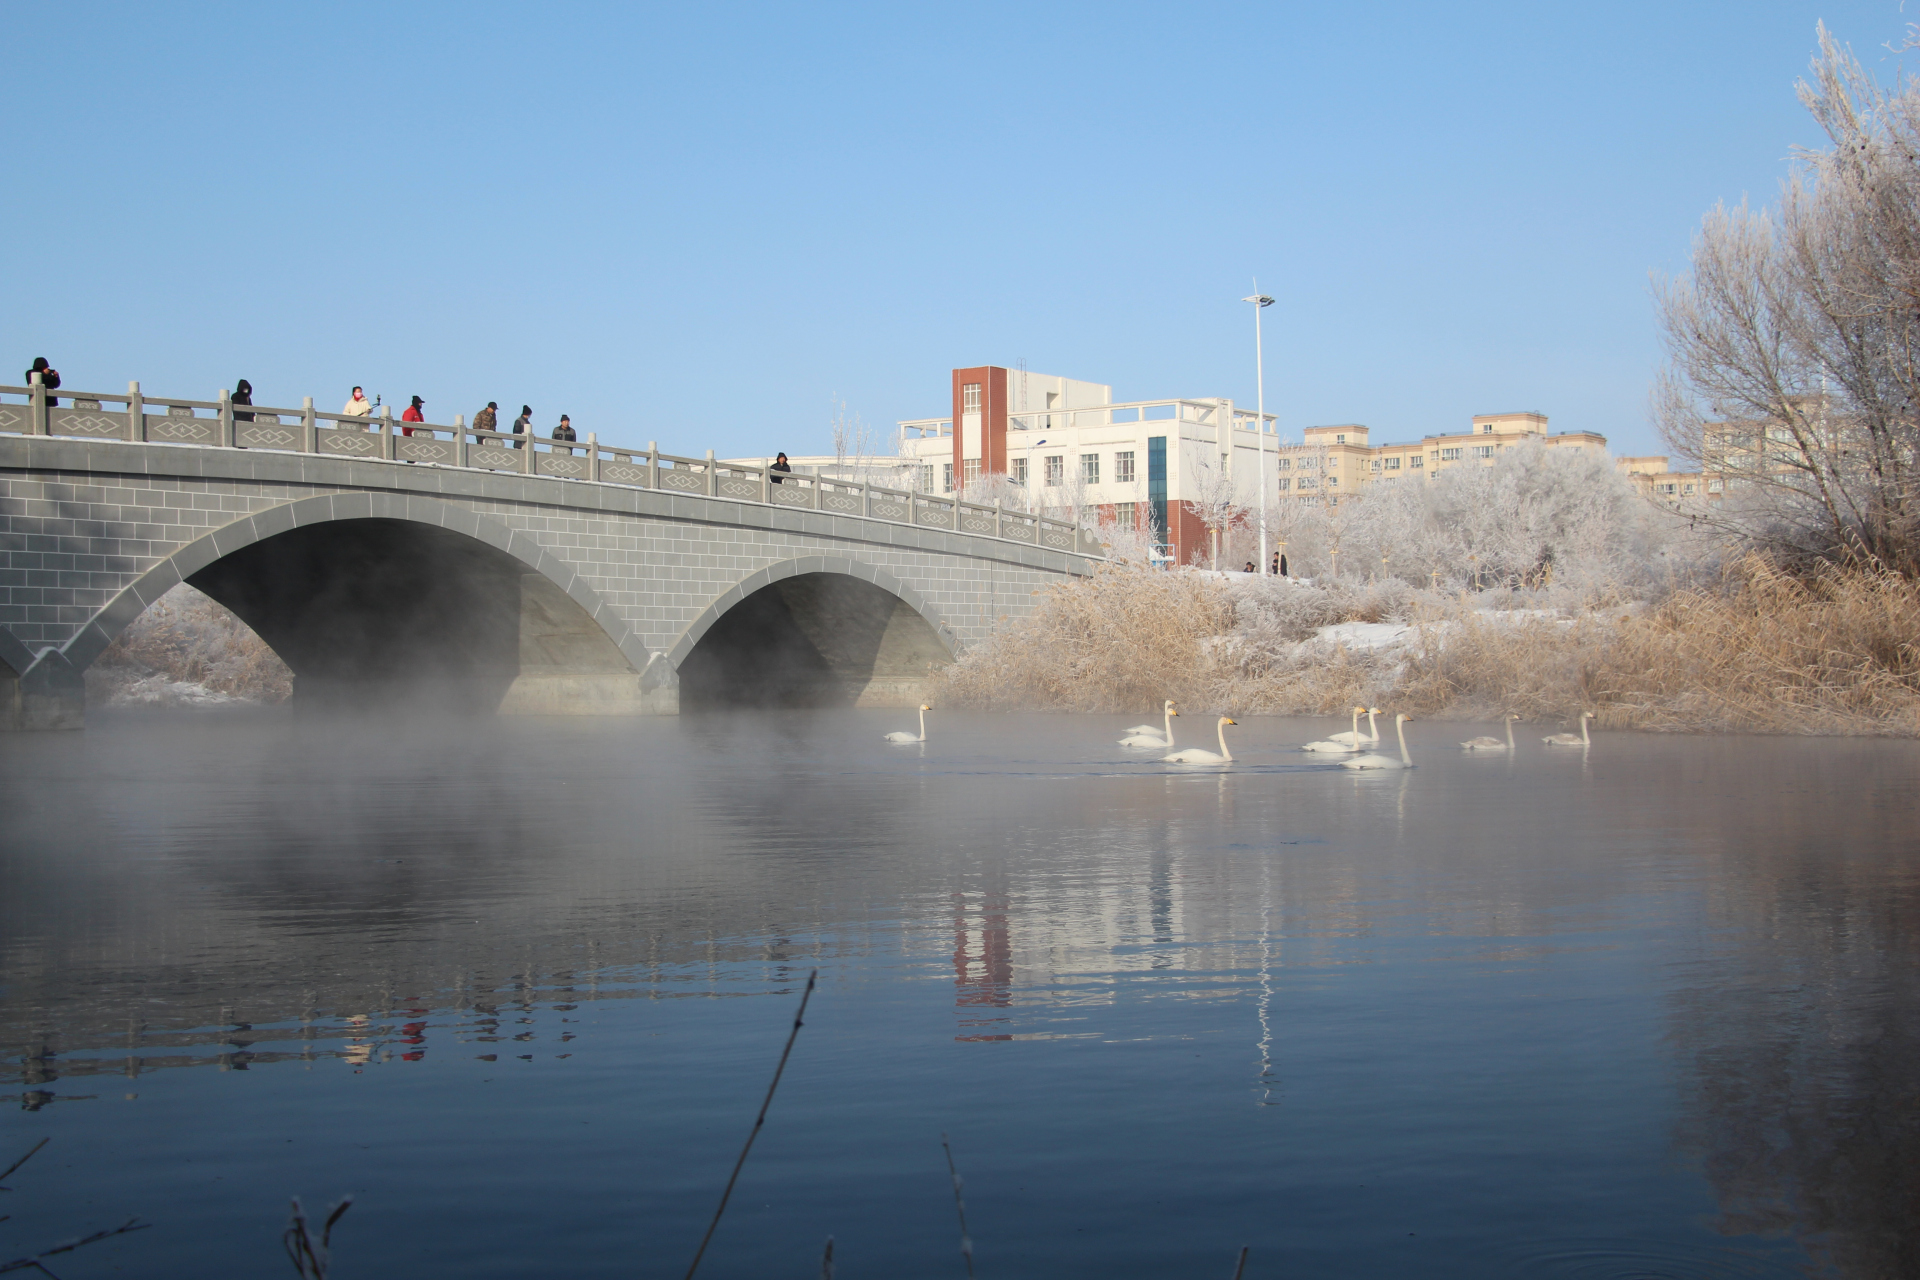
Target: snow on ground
{"points": [[1370, 636]]}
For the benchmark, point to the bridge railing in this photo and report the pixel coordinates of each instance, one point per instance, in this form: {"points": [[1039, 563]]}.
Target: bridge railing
{"points": [[133, 415]]}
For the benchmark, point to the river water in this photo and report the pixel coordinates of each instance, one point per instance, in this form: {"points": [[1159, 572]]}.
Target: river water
{"points": [[1651, 1009]]}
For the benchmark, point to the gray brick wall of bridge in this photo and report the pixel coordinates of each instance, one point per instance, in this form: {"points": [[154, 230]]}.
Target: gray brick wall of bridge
{"points": [[82, 520]]}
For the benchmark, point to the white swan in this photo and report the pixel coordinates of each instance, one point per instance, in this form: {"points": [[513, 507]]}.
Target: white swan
{"points": [[1484, 743], [1148, 736], [901, 735], [1345, 744], [1195, 755], [1386, 762], [1567, 739], [1358, 739]]}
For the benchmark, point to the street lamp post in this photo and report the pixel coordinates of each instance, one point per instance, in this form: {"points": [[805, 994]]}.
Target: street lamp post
{"points": [[1033, 502], [1260, 301]]}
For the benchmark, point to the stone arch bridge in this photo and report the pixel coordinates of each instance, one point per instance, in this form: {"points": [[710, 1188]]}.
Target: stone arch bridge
{"points": [[456, 569]]}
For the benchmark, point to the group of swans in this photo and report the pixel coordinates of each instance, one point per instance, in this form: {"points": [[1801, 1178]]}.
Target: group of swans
{"points": [[1349, 744], [1146, 737]]}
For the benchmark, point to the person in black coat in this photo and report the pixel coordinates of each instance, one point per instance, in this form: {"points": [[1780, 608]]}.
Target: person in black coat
{"points": [[243, 394], [49, 377], [523, 426], [780, 464]]}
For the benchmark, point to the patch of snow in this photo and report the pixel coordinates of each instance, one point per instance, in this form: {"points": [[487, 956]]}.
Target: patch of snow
{"points": [[1370, 636], [158, 691]]}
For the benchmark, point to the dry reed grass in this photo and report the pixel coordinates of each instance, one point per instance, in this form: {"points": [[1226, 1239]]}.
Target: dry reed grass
{"points": [[1759, 651], [191, 640]]}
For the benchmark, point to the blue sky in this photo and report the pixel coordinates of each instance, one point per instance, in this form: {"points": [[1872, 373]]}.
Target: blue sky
{"points": [[707, 224]]}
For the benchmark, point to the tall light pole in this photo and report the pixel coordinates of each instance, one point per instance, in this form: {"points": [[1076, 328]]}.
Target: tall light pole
{"points": [[1260, 301], [1033, 504]]}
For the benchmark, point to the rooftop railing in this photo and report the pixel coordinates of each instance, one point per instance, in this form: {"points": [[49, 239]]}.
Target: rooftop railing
{"points": [[1203, 412], [134, 416]]}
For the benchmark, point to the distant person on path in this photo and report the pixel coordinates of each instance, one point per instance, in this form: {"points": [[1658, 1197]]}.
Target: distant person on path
{"points": [[358, 406], [565, 432], [1249, 568], [49, 377], [413, 414], [1279, 565], [780, 464], [523, 426], [243, 394], [488, 419]]}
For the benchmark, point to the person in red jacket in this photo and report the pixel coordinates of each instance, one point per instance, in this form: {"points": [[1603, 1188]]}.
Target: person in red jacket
{"points": [[412, 414]]}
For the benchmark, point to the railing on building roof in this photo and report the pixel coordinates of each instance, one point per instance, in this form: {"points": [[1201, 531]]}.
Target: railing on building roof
{"points": [[1202, 412], [221, 424]]}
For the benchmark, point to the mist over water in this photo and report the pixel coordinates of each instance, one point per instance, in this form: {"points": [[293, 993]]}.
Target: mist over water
{"points": [[1652, 1009]]}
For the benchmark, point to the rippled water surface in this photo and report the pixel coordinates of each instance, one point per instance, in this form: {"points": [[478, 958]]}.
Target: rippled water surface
{"points": [[1646, 1010]]}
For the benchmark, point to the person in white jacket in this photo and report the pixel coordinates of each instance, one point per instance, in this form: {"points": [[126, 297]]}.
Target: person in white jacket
{"points": [[359, 406]]}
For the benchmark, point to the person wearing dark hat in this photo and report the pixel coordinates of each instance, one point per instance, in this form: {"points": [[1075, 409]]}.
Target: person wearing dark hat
{"points": [[412, 414], [243, 394], [523, 426], [488, 419], [49, 377], [565, 432], [781, 467]]}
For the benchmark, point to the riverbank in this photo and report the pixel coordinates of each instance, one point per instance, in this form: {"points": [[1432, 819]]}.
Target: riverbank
{"points": [[1757, 651]]}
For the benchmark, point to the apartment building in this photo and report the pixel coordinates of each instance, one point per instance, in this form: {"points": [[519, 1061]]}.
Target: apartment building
{"points": [[1654, 476], [1342, 457]]}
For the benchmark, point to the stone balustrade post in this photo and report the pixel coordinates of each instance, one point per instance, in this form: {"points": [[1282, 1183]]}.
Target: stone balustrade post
{"points": [[713, 477], [529, 465], [819, 486], [136, 413], [653, 464], [309, 427], [866, 498], [999, 518], [225, 440], [459, 439], [593, 455]]}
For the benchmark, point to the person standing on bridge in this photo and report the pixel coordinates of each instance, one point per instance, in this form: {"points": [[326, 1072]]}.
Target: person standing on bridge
{"points": [[243, 394], [412, 414], [488, 419], [523, 426], [780, 464], [358, 406], [49, 378], [565, 432]]}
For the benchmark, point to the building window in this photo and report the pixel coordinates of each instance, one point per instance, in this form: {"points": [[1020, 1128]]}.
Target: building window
{"points": [[1307, 464], [1332, 481], [1449, 455], [1126, 515], [1308, 482], [1090, 468], [970, 398], [1416, 460], [1483, 451], [970, 469], [1056, 470], [1283, 464], [1488, 428], [1123, 467], [925, 484], [1377, 464], [1332, 462], [1283, 484], [946, 477], [1687, 489], [1713, 486], [1019, 470], [1667, 489], [1393, 464], [1339, 439]]}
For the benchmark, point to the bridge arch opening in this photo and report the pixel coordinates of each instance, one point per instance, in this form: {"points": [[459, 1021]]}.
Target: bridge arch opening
{"points": [[380, 612], [814, 639]]}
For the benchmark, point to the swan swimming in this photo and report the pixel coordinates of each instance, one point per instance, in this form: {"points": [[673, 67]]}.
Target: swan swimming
{"points": [[1345, 744], [1196, 755], [1148, 736], [901, 735], [1567, 739], [1358, 739], [1386, 762], [1484, 743]]}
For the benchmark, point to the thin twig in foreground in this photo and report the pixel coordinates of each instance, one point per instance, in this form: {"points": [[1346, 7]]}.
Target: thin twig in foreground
{"points": [[1241, 1265], [31, 1152], [826, 1261], [758, 1120], [309, 1259], [21, 1264], [960, 1206]]}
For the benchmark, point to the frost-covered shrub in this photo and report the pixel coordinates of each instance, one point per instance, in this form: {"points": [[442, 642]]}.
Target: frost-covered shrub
{"points": [[187, 650]]}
